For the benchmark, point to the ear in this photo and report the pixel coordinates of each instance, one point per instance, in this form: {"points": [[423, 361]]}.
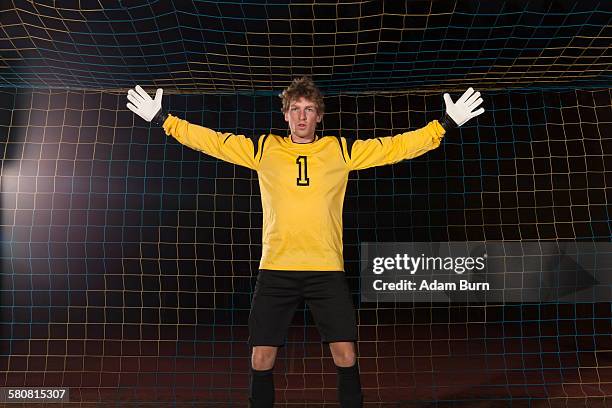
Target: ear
{"points": [[287, 116], [319, 118]]}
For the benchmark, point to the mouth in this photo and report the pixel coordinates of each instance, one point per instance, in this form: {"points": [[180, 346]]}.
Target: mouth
{"points": [[301, 126]]}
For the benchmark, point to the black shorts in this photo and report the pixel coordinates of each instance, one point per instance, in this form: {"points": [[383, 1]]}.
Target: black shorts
{"points": [[277, 295]]}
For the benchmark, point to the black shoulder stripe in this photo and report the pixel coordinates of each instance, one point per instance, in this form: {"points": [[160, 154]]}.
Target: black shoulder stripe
{"points": [[228, 136], [379, 141], [255, 146], [349, 146], [262, 147], [339, 140]]}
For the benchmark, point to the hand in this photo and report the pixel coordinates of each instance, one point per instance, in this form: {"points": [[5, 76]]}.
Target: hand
{"points": [[142, 104], [463, 110]]}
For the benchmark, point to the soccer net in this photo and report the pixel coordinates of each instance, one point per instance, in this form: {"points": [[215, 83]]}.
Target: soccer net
{"points": [[129, 260]]}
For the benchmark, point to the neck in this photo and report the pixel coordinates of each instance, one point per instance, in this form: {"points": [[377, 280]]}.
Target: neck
{"points": [[302, 140]]}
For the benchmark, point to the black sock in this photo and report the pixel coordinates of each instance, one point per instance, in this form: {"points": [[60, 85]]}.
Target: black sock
{"points": [[262, 389], [349, 387]]}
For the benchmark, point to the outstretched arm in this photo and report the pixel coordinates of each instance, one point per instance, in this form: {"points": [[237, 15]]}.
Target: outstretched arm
{"points": [[232, 148], [392, 149]]}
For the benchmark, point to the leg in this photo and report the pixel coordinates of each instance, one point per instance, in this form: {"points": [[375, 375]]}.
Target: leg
{"points": [[343, 353], [262, 377], [329, 299], [263, 357], [349, 385], [274, 301]]}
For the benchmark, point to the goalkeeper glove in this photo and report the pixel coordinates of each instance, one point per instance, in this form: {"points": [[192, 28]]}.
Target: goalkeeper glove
{"points": [[459, 112], [144, 106]]}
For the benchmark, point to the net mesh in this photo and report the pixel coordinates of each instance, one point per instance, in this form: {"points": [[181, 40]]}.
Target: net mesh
{"points": [[129, 261]]}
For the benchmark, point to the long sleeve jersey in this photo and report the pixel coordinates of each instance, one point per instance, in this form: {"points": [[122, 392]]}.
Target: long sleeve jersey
{"points": [[303, 185]]}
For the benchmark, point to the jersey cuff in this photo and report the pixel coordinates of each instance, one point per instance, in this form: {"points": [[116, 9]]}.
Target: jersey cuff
{"points": [[160, 117], [447, 122]]}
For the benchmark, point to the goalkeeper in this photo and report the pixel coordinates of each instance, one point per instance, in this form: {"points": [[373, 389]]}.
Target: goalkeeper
{"points": [[302, 179]]}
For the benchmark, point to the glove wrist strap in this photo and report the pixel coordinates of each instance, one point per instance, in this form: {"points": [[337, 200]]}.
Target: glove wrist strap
{"points": [[447, 122], [160, 117]]}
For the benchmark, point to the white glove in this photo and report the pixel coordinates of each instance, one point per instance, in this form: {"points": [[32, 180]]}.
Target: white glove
{"points": [[142, 104], [463, 110]]}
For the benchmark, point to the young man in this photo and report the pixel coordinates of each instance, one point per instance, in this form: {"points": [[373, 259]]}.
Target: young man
{"points": [[303, 178]]}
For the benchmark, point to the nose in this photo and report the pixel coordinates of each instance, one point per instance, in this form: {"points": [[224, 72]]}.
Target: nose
{"points": [[303, 114]]}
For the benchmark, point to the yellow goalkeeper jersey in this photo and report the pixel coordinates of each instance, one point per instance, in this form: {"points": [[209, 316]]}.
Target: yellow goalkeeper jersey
{"points": [[302, 185]]}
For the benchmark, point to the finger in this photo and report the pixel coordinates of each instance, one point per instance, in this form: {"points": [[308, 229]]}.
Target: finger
{"points": [[158, 94], [466, 95], [475, 104], [143, 93], [478, 112], [135, 97], [472, 98], [137, 101], [447, 100], [132, 108]]}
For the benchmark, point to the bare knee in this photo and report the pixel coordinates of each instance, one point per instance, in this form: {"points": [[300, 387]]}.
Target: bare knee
{"points": [[263, 357], [343, 354]]}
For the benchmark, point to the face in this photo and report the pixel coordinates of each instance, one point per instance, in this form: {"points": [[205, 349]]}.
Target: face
{"points": [[302, 117]]}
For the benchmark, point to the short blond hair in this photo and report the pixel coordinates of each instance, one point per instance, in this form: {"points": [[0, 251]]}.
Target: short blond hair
{"points": [[302, 87]]}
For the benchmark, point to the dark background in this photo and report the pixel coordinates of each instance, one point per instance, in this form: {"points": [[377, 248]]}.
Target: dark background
{"points": [[129, 260]]}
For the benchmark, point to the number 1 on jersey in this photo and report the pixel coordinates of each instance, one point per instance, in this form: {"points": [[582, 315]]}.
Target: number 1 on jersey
{"points": [[302, 163]]}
